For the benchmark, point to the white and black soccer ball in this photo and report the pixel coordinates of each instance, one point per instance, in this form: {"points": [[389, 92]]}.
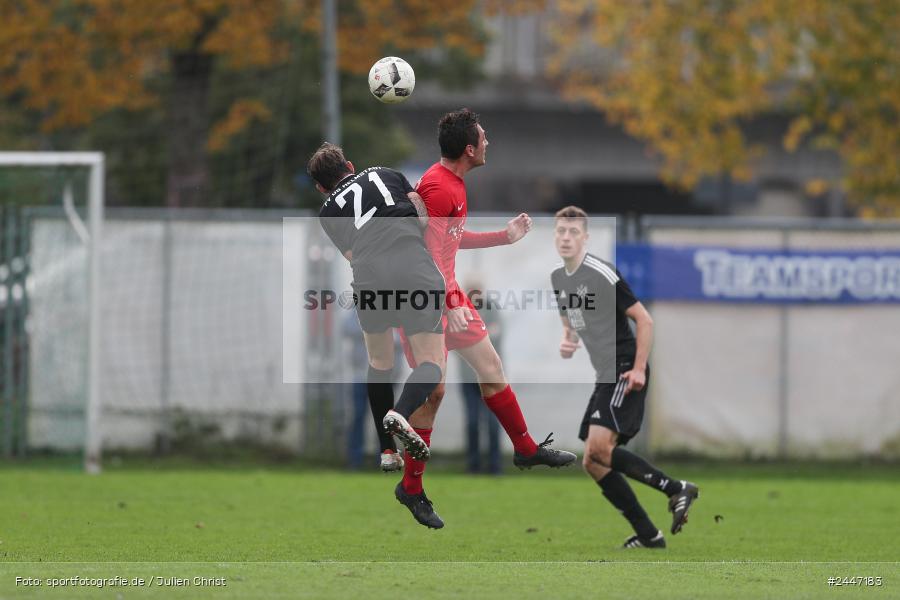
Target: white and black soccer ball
{"points": [[392, 80]]}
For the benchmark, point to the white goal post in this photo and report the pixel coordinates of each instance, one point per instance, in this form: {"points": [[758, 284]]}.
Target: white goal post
{"points": [[94, 161]]}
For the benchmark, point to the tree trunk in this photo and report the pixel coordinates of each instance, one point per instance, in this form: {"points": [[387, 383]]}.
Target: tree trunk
{"points": [[188, 127]]}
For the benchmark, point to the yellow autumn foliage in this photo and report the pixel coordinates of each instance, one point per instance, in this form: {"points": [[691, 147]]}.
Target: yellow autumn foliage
{"points": [[74, 60], [688, 77]]}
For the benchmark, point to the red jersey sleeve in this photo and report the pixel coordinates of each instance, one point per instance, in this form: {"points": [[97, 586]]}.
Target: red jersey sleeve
{"points": [[437, 198], [484, 239]]}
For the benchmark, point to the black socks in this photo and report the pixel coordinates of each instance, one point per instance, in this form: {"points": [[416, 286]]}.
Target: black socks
{"points": [[639, 469], [381, 399], [419, 385], [620, 495]]}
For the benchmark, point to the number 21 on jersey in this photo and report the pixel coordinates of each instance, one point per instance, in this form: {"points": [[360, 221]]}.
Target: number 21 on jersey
{"points": [[356, 190]]}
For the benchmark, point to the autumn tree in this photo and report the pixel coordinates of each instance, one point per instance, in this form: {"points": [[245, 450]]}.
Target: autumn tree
{"points": [[689, 76], [174, 68]]}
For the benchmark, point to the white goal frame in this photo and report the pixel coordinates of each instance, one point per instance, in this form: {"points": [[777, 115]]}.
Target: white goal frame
{"points": [[95, 162]]}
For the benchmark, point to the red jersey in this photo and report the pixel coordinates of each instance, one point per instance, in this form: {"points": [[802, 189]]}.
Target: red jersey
{"points": [[444, 194]]}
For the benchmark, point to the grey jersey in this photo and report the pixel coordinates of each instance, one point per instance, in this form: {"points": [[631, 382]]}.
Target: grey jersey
{"points": [[594, 299]]}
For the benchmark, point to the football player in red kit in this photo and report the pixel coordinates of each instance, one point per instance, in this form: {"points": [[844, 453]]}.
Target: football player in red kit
{"points": [[463, 147]]}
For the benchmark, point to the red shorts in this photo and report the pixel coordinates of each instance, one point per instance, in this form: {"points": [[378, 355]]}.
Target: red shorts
{"points": [[476, 331]]}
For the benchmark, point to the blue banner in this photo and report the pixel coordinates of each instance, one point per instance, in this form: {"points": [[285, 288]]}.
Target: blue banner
{"points": [[721, 274]]}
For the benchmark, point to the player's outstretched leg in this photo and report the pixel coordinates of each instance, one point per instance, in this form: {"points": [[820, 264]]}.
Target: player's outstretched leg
{"points": [[500, 398], [682, 494], [544, 455], [419, 385]]}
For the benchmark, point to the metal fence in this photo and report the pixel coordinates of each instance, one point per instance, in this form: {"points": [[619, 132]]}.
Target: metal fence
{"points": [[193, 334]]}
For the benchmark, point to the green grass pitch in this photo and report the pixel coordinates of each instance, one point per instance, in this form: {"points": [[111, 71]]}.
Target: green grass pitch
{"points": [[781, 532]]}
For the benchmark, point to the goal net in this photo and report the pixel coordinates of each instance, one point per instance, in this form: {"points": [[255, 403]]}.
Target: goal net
{"points": [[78, 332]]}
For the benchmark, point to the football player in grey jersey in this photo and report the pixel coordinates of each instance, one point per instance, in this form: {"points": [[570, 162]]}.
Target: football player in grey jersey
{"points": [[616, 408]]}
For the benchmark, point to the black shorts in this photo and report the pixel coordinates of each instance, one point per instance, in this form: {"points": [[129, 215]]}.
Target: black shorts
{"points": [[401, 289], [609, 408]]}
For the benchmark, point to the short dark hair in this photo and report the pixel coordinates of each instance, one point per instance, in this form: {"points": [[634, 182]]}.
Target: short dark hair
{"points": [[327, 166], [574, 213], [456, 130]]}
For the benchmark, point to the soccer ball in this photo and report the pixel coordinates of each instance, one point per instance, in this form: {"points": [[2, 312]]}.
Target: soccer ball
{"points": [[392, 80]]}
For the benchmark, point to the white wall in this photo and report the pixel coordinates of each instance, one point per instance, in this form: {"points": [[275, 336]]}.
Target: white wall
{"points": [[223, 345]]}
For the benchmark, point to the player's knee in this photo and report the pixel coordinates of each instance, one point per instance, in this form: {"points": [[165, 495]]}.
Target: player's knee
{"points": [[604, 453], [594, 469], [599, 454], [496, 367], [491, 371], [587, 464]]}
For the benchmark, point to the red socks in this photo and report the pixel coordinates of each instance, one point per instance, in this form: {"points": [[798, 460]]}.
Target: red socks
{"points": [[506, 407], [413, 469]]}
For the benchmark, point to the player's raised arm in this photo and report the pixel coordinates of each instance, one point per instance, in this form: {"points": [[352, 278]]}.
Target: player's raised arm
{"points": [[518, 227], [515, 231]]}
